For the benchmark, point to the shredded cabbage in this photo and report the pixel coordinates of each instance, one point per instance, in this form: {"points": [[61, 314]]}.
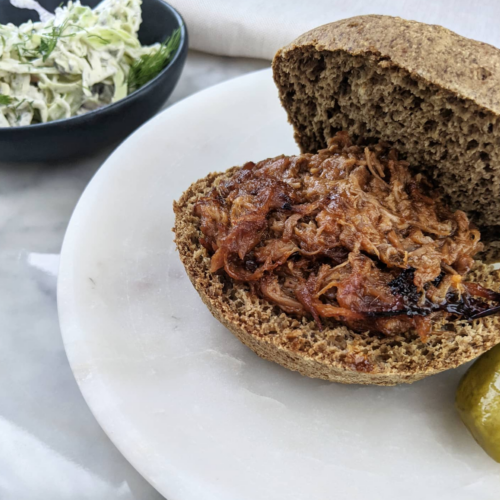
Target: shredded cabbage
{"points": [[75, 61]]}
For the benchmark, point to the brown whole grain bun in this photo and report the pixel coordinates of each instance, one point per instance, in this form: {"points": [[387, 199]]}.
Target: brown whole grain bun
{"points": [[431, 93], [336, 353], [434, 94]]}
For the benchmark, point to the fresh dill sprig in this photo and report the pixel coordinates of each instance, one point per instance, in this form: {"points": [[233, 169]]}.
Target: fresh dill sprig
{"points": [[47, 44], [16, 107], [24, 53], [22, 101], [49, 41], [5, 99], [149, 65]]}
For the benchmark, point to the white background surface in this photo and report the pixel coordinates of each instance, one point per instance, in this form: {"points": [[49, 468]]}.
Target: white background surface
{"points": [[258, 28], [51, 447], [196, 412]]}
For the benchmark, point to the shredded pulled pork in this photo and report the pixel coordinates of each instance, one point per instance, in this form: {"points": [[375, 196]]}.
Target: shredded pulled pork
{"points": [[347, 234]]}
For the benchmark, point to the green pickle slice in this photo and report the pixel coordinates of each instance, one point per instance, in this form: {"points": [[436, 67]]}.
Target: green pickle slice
{"points": [[478, 401]]}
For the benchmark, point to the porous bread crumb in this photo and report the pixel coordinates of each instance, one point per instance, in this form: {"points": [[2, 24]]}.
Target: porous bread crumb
{"points": [[430, 92], [336, 353]]}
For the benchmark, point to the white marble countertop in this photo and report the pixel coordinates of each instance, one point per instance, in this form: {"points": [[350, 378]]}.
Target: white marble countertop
{"points": [[51, 447]]}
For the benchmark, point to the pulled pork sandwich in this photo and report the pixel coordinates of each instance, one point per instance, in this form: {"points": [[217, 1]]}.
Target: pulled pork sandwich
{"points": [[365, 258], [347, 234]]}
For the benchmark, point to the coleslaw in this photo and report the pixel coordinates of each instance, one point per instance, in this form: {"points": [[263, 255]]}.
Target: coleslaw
{"points": [[74, 61]]}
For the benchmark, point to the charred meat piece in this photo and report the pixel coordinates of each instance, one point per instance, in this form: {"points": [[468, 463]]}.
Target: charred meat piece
{"points": [[349, 234]]}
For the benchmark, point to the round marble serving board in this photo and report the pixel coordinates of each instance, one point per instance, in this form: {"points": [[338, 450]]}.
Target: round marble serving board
{"points": [[197, 413]]}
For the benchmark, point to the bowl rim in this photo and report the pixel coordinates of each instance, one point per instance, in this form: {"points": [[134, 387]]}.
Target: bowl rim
{"points": [[132, 96]]}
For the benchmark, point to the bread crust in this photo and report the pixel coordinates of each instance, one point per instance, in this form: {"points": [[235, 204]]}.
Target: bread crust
{"points": [[468, 68], [336, 354]]}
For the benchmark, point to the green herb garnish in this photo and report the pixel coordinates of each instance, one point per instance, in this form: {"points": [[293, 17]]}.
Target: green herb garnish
{"points": [[149, 65], [5, 99], [48, 42]]}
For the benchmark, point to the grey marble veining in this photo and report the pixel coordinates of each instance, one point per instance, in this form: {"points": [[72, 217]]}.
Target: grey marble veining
{"points": [[51, 447]]}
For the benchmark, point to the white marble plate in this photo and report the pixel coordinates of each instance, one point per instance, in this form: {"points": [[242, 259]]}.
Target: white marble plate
{"points": [[195, 411]]}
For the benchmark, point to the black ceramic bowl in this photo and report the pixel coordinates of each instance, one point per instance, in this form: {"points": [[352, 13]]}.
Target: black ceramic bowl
{"points": [[85, 134]]}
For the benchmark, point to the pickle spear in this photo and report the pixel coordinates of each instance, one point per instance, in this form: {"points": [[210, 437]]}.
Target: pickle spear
{"points": [[478, 401]]}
